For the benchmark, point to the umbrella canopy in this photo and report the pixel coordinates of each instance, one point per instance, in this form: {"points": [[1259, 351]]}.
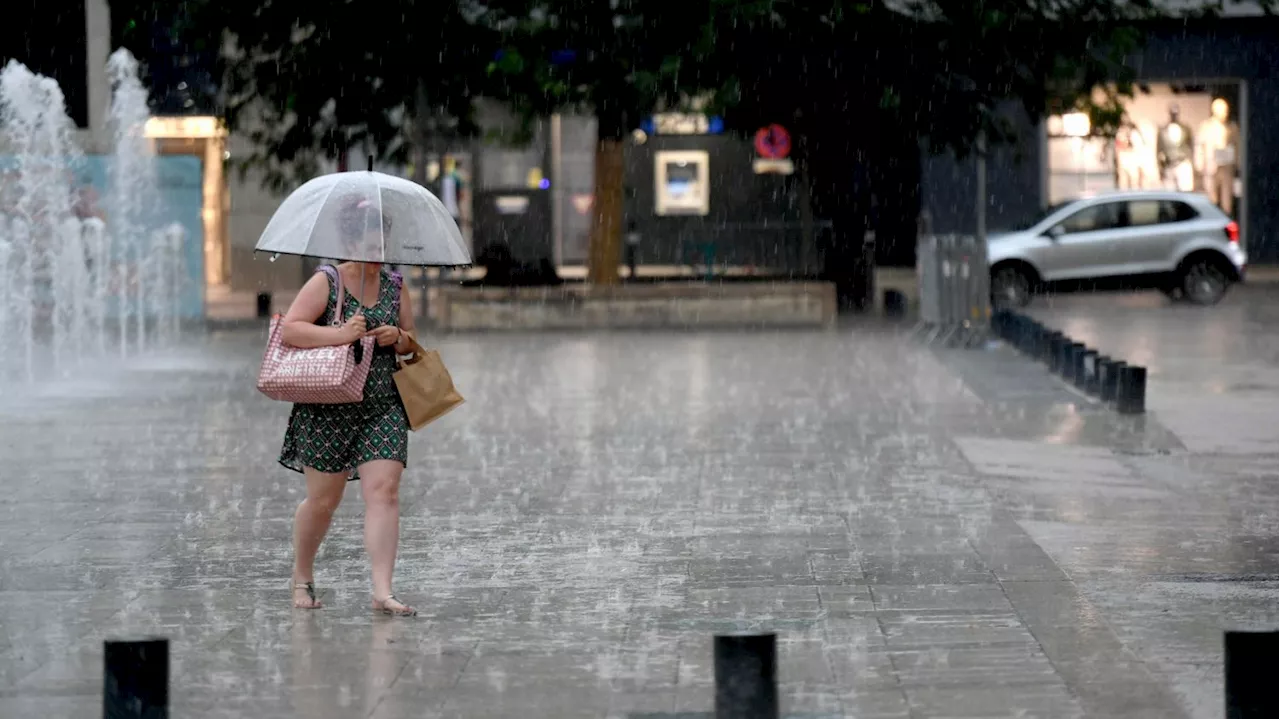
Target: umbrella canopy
{"points": [[366, 217]]}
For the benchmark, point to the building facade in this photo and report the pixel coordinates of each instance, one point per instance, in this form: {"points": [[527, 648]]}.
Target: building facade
{"points": [[1203, 119]]}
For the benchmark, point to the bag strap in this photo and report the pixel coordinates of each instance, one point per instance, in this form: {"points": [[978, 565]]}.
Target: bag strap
{"points": [[336, 277]]}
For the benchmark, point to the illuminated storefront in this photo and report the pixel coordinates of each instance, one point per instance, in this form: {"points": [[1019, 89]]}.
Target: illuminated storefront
{"points": [[1173, 136], [204, 138], [1203, 118]]}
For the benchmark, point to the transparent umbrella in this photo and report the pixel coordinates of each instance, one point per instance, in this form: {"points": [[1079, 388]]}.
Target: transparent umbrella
{"points": [[366, 217]]}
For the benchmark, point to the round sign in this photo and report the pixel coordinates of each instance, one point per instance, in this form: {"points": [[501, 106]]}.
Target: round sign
{"points": [[773, 142]]}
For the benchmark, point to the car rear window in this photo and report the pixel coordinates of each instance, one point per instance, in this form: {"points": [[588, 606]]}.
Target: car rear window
{"points": [[1183, 212], [1159, 212]]}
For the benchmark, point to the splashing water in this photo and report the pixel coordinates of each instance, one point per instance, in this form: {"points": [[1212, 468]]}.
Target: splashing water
{"points": [[40, 135], [133, 183], [71, 288], [63, 277]]}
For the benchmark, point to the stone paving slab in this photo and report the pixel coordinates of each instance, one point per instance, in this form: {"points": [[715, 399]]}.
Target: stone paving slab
{"points": [[603, 505]]}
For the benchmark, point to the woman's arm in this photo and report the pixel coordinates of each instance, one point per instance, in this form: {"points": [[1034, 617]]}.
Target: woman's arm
{"points": [[299, 325], [406, 320]]}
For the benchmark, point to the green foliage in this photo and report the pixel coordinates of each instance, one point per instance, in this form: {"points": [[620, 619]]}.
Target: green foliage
{"points": [[938, 69], [618, 60], [305, 80]]}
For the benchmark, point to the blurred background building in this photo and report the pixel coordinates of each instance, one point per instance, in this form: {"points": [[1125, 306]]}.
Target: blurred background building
{"points": [[696, 196]]}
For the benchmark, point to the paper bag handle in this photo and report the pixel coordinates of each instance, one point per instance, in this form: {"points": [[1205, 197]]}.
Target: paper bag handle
{"points": [[416, 352]]}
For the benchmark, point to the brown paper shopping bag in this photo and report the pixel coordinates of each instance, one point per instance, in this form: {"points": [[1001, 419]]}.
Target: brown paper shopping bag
{"points": [[426, 389]]}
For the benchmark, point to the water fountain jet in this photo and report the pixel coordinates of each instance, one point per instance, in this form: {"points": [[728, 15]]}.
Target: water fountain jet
{"points": [[133, 182], [34, 117]]}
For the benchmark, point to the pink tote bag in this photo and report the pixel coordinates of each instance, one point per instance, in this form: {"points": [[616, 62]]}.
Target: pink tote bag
{"points": [[320, 375]]}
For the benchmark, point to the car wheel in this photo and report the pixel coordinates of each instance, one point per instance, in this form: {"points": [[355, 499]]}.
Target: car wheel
{"points": [[1010, 287], [1204, 282]]}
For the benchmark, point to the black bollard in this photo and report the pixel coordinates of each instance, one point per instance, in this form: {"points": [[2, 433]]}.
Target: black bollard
{"points": [[1086, 367], [1131, 390], [1093, 385], [136, 680], [746, 676], [264, 305], [1054, 358], [895, 303], [1001, 322], [1110, 380], [1070, 358], [1027, 342], [1038, 338], [1050, 348], [1022, 333], [1249, 662]]}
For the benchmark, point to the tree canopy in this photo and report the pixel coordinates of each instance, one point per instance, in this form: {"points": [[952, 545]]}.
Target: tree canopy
{"points": [[306, 81]]}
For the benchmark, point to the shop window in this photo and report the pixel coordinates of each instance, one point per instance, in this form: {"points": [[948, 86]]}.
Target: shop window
{"points": [[1105, 216], [1174, 136]]}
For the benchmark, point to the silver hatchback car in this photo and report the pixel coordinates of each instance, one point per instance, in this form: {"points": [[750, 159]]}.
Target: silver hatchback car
{"points": [[1177, 242]]}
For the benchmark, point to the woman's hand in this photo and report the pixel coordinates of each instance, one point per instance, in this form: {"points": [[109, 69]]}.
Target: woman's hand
{"points": [[385, 335], [353, 329]]}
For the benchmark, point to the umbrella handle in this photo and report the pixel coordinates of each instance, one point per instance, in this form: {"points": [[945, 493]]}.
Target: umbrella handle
{"points": [[370, 163]]}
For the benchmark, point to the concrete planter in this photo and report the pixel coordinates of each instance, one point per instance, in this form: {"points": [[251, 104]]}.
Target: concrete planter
{"points": [[654, 306]]}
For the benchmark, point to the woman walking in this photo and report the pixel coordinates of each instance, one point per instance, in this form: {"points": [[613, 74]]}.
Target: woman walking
{"points": [[332, 444]]}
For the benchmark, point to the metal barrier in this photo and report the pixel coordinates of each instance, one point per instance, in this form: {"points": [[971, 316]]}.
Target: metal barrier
{"points": [[955, 289]]}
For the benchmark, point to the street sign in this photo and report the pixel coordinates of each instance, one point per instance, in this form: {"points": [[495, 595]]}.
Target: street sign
{"points": [[773, 142]]}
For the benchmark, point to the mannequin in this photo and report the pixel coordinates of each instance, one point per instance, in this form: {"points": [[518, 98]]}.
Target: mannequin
{"points": [[1131, 147], [1217, 147], [1174, 149]]}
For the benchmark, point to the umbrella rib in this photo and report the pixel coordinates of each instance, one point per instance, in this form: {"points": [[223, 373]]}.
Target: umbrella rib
{"points": [[382, 220]]}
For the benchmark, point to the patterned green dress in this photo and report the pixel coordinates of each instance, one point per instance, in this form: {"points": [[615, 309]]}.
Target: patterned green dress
{"points": [[340, 437]]}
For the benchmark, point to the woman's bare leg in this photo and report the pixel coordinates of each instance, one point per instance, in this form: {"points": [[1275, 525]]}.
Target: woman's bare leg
{"points": [[380, 484], [310, 523]]}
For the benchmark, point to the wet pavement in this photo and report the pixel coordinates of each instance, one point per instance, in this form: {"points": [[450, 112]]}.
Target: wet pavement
{"points": [[931, 533]]}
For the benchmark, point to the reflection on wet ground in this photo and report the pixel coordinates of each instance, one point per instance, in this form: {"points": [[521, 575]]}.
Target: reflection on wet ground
{"points": [[1212, 383], [931, 533]]}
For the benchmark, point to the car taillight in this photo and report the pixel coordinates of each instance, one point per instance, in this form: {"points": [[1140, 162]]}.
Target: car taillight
{"points": [[1233, 232]]}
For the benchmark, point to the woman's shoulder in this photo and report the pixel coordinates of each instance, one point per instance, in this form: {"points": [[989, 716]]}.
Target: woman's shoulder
{"points": [[323, 277]]}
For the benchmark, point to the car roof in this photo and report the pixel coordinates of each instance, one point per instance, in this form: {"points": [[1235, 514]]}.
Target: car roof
{"points": [[1188, 197]]}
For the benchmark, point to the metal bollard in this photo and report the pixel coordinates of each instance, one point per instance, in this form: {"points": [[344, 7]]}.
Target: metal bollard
{"points": [[895, 303], [1017, 331], [1131, 390], [1070, 357], [1042, 336], [746, 676], [1001, 322], [1031, 337], [1249, 663], [136, 680], [264, 305], [1050, 348], [1094, 383], [1086, 367], [1110, 380], [1053, 357]]}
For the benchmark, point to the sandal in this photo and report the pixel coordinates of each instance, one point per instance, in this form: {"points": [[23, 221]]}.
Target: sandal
{"points": [[310, 589], [383, 605]]}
